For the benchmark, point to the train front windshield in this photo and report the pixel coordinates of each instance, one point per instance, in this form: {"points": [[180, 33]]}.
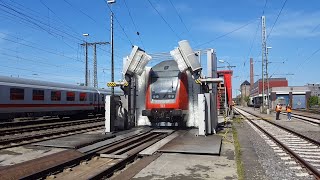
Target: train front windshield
{"points": [[164, 87]]}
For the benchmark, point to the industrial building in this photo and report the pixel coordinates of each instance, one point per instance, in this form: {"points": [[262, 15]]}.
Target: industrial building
{"points": [[278, 91], [245, 91], [315, 89]]}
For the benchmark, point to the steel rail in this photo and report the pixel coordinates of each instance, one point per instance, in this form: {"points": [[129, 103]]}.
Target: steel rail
{"points": [[20, 140], [131, 156], [44, 126], [115, 145], [287, 129], [317, 119], [296, 156]]}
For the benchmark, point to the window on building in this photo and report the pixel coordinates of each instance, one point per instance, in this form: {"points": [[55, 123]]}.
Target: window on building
{"points": [[38, 95], [16, 94], [83, 96], [71, 96], [55, 95]]}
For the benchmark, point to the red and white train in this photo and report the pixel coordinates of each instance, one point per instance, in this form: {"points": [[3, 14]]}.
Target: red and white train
{"points": [[167, 94], [32, 98]]}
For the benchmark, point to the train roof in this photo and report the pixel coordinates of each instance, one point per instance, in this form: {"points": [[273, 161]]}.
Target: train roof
{"points": [[167, 68], [169, 65], [13, 81]]}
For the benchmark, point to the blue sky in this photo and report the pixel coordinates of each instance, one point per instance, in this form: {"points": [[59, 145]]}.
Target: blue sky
{"points": [[40, 39]]}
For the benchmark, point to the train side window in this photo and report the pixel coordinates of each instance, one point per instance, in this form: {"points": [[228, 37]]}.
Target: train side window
{"points": [[16, 94], [83, 96], [102, 96], [37, 95], [55, 95], [90, 97], [95, 97], [71, 96]]}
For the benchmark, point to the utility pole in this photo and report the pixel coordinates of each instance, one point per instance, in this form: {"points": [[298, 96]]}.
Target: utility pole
{"points": [[95, 71], [86, 68], [112, 44], [86, 74], [264, 49], [267, 75]]}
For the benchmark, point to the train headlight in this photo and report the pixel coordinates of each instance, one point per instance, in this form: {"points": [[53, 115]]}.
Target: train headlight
{"points": [[157, 96], [172, 96]]}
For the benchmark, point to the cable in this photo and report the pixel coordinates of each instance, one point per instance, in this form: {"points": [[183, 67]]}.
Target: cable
{"points": [[176, 34], [31, 60], [134, 24], [277, 18], [228, 33], [180, 18], [80, 11], [39, 49], [41, 1], [39, 24]]}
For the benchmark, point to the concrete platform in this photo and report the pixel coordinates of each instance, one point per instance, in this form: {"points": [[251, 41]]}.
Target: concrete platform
{"points": [[190, 143], [74, 141], [21, 154], [171, 166]]}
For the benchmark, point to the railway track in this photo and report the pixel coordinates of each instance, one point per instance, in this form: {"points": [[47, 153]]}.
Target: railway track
{"points": [[29, 122], [309, 119], [299, 152], [12, 137], [97, 163]]}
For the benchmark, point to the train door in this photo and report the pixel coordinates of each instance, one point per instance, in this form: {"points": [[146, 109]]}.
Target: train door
{"points": [[96, 101]]}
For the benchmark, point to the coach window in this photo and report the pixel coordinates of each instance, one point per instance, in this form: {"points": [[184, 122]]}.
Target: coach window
{"points": [[83, 96], [16, 94], [38, 95], [90, 97], [55, 95], [70, 96], [95, 97]]}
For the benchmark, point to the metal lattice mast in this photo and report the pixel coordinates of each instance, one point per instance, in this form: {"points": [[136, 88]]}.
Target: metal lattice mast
{"points": [[86, 73], [95, 71], [112, 52], [264, 53], [95, 64]]}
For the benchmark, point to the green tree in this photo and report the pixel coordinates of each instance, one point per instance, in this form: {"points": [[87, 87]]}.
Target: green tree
{"points": [[313, 100], [246, 99]]}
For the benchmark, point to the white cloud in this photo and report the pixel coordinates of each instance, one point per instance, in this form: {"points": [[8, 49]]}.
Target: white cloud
{"points": [[297, 24], [291, 24]]}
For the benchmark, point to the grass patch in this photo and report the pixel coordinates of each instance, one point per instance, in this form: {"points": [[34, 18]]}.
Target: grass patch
{"points": [[237, 147], [237, 119]]}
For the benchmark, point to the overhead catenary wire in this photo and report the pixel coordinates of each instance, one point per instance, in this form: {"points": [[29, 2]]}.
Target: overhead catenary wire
{"points": [[121, 27], [184, 24], [228, 33], [55, 32], [277, 18], [61, 20], [36, 60], [174, 32], [134, 24], [41, 49]]}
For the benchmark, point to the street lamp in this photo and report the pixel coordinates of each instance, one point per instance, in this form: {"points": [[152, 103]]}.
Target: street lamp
{"points": [[223, 61], [110, 2], [86, 71]]}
